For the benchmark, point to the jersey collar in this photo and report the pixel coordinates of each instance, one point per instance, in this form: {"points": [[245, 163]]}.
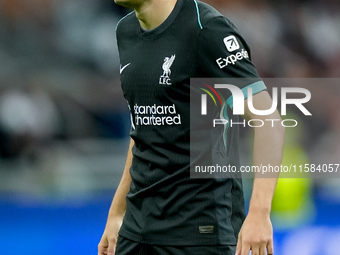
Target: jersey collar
{"points": [[150, 34]]}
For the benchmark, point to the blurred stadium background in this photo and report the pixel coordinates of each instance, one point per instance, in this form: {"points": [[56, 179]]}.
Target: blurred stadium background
{"points": [[64, 122]]}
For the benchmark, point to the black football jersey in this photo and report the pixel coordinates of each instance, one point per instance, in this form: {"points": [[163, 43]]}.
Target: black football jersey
{"points": [[164, 205]]}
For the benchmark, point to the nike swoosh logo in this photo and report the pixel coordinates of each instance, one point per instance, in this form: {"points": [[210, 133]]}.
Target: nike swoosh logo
{"points": [[122, 68]]}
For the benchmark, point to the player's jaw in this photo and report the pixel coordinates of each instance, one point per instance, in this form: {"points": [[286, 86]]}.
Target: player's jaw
{"points": [[130, 3]]}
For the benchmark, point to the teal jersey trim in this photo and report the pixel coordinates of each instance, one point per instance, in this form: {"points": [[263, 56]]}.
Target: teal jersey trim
{"points": [[123, 18], [256, 88], [198, 15]]}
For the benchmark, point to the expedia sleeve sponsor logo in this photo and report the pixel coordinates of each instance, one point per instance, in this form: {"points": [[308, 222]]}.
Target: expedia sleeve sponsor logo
{"points": [[156, 115], [231, 43], [232, 59]]}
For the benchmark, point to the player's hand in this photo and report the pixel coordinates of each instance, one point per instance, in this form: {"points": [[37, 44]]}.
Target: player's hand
{"points": [[256, 235], [107, 244]]}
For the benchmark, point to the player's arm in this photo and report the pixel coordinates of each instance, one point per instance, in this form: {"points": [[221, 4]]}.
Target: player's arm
{"points": [[257, 233], [107, 244]]}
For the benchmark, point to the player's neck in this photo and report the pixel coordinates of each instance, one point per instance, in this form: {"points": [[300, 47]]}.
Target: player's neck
{"points": [[154, 13]]}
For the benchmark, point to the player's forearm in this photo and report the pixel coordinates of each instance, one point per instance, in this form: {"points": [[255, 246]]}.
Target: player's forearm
{"points": [[118, 206], [268, 150]]}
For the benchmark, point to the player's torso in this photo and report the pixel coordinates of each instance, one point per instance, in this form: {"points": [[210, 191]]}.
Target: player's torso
{"points": [[155, 77], [156, 69]]}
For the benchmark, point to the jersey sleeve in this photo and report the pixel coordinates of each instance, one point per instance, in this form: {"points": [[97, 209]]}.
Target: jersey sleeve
{"points": [[223, 53]]}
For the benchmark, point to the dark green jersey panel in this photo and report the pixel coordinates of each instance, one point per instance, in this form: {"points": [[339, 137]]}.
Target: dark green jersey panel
{"points": [[164, 205]]}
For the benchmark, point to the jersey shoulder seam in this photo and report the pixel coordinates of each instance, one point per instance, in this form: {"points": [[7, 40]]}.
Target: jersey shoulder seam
{"points": [[212, 20], [206, 12], [215, 18]]}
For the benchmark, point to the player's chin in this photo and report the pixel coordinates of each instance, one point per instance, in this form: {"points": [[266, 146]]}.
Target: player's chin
{"points": [[125, 3]]}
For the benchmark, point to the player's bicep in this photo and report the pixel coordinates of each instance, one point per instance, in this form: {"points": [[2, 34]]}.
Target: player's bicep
{"points": [[260, 101]]}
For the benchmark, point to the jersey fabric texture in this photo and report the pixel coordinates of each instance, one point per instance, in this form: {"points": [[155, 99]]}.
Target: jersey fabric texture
{"points": [[164, 205]]}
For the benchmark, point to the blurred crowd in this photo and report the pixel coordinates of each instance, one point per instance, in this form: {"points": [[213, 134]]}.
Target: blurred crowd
{"points": [[59, 75]]}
